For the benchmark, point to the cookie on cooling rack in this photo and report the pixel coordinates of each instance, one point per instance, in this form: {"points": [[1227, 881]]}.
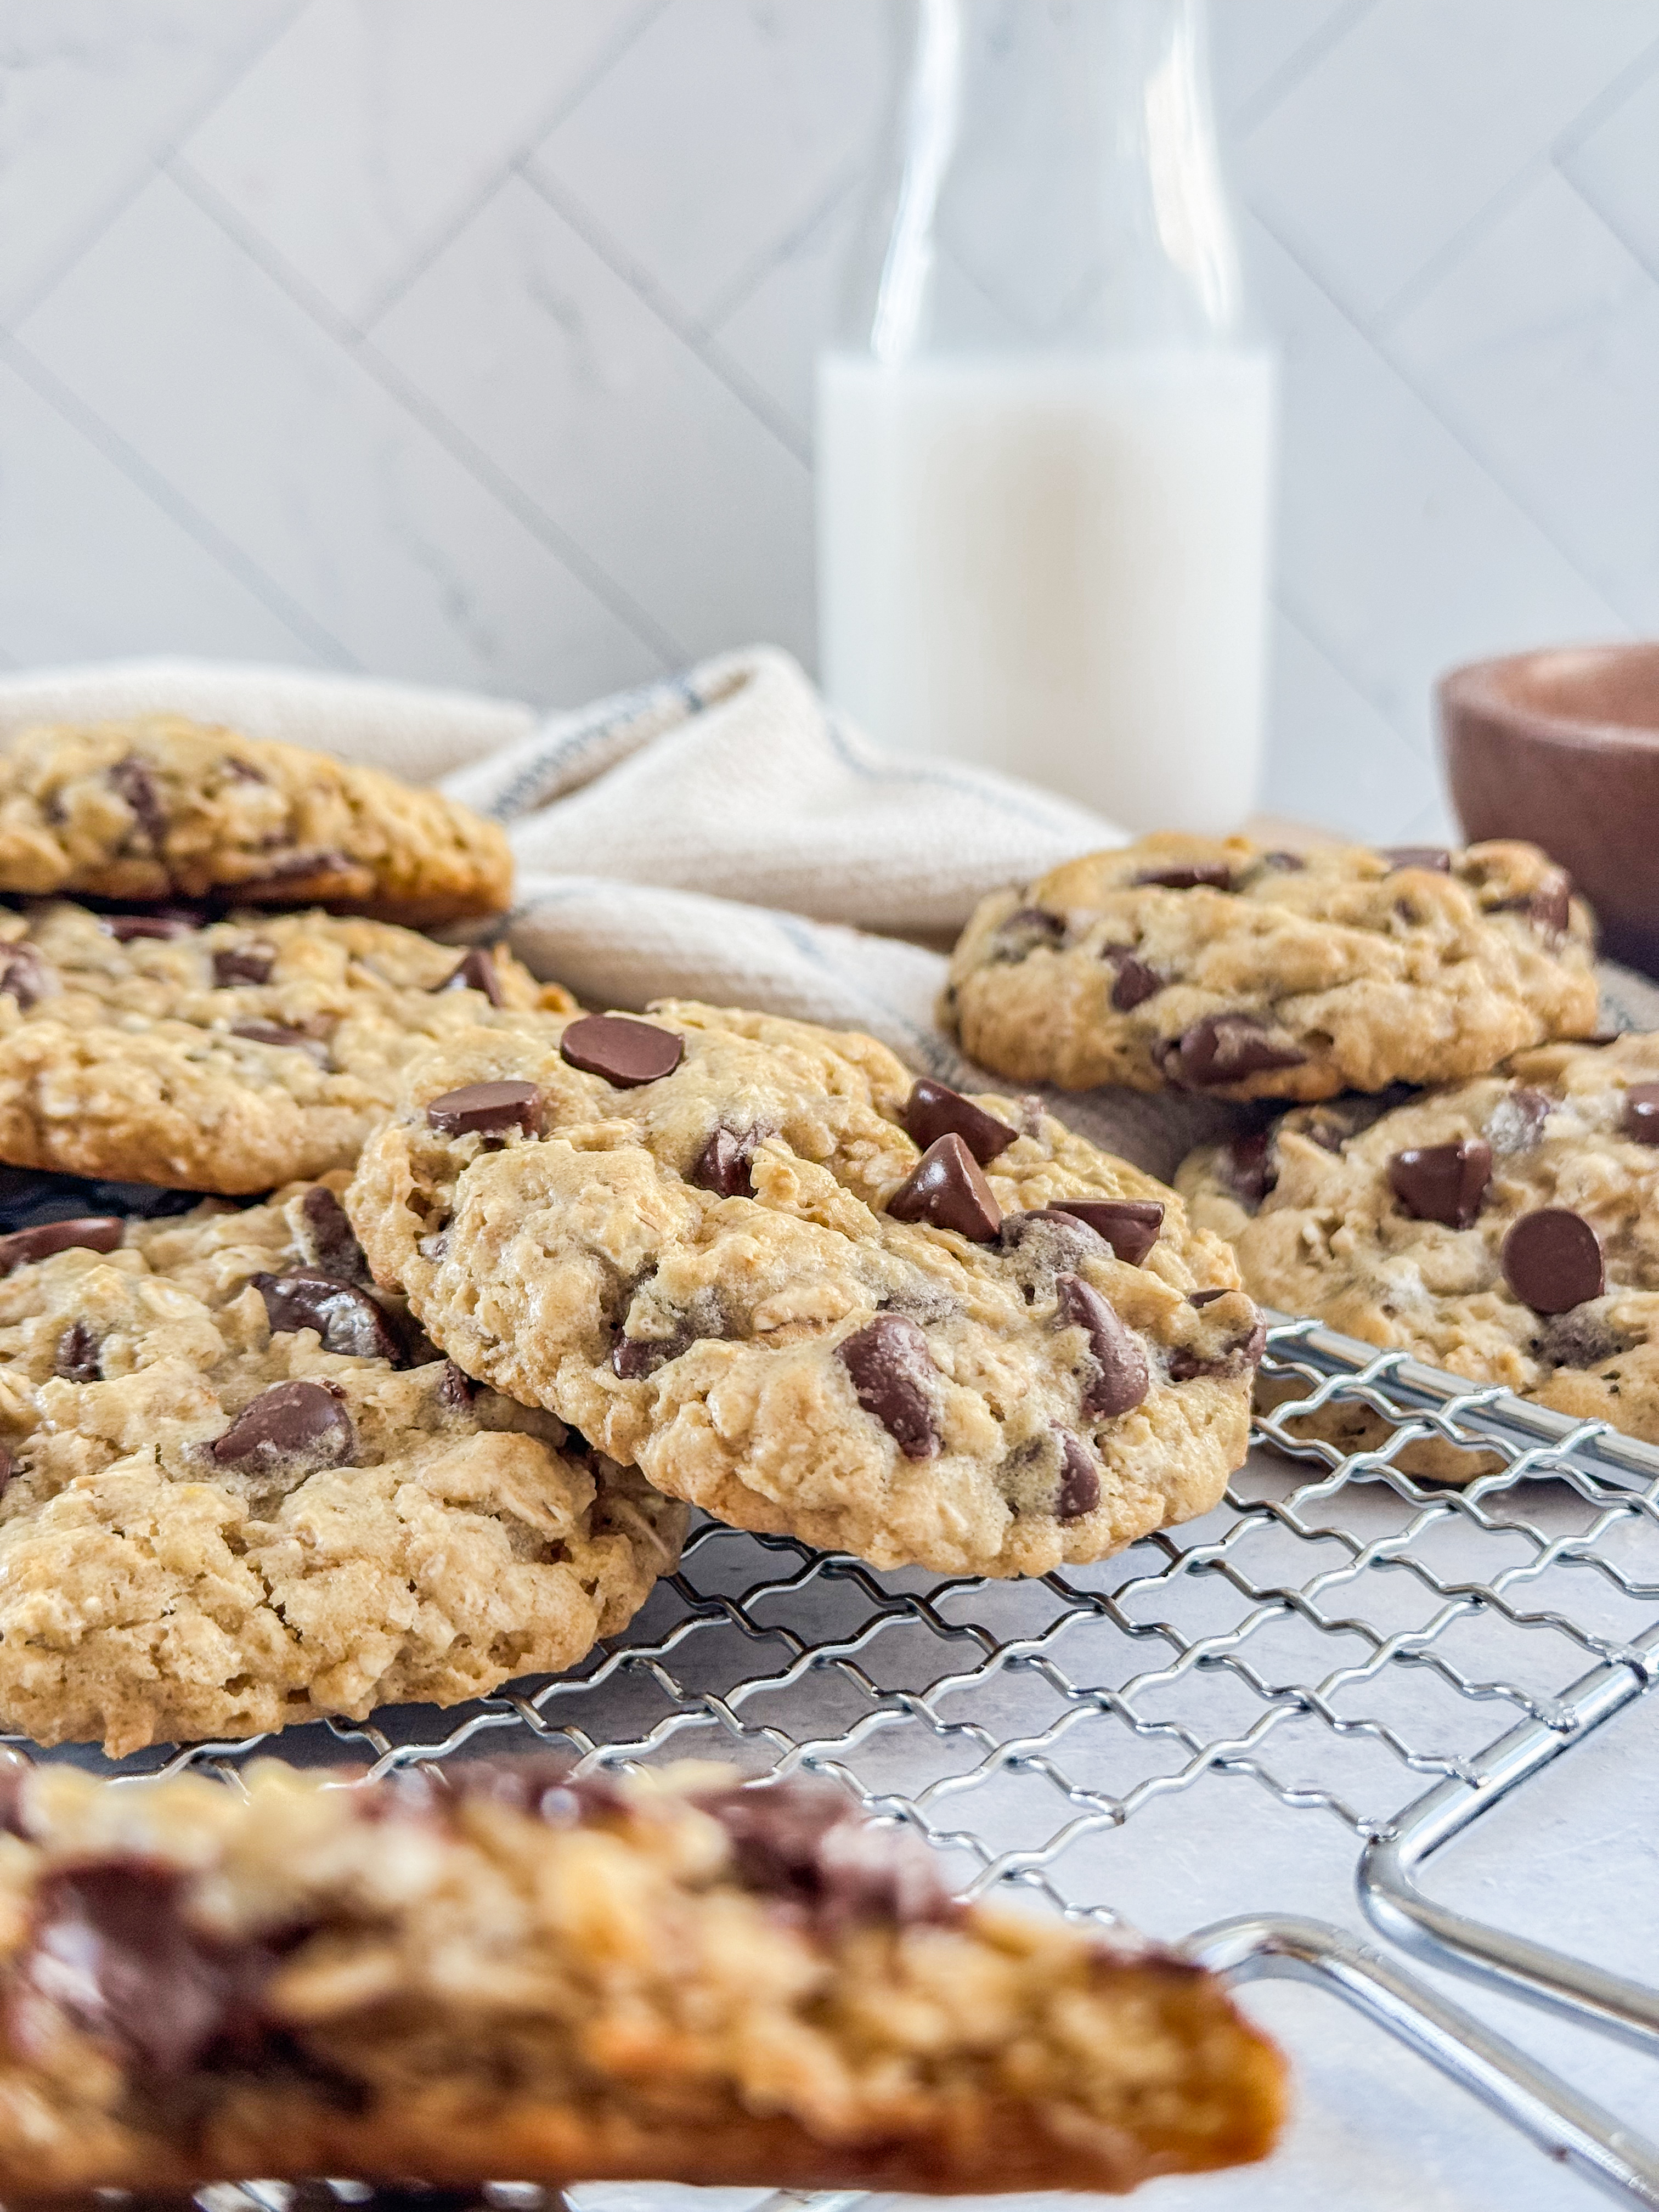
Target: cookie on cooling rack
{"points": [[1205, 963], [812, 1296], [230, 1055], [241, 1490], [162, 808], [1502, 1228], [495, 1967]]}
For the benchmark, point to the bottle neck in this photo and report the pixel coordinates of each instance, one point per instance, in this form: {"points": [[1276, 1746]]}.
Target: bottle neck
{"points": [[1052, 182]]}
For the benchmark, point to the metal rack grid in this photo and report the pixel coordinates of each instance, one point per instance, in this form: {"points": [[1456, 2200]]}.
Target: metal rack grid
{"points": [[1392, 1654]]}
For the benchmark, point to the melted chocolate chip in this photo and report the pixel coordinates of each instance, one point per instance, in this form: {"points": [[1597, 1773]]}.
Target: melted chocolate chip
{"points": [[282, 875], [346, 1319], [455, 1389], [278, 1033], [1129, 1226], [1578, 1339], [1553, 1260], [1640, 1119], [1247, 1166], [802, 1844], [633, 1358], [1195, 875], [292, 1428], [1122, 1376], [1245, 1352], [1435, 858], [933, 1110], [125, 927], [77, 1357], [1043, 1243], [1134, 981], [132, 779], [1517, 1121], [1025, 931], [475, 971], [488, 1109], [1443, 1182], [622, 1051], [722, 1166], [332, 1241], [24, 975], [95, 1232], [891, 1371], [1287, 863], [946, 1189], [244, 963], [1079, 1478], [1226, 1048]]}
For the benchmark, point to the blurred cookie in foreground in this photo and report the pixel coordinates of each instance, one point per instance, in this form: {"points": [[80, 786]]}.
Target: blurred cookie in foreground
{"points": [[228, 1056], [1505, 1228], [1209, 964], [495, 1967], [241, 1490], [161, 807]]}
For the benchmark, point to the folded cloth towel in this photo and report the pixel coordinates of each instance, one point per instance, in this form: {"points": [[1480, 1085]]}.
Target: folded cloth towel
{"points": [[724, 835]]}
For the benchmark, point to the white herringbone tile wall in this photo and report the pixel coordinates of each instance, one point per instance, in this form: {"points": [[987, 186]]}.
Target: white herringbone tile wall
{"points": [[472, 343]]}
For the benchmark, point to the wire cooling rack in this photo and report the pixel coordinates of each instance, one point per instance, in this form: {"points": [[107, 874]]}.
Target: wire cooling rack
{"points": [[1338, 1640]]}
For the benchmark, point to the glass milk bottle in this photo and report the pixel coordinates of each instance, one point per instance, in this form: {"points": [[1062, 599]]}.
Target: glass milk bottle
{"points": [[1045, 441]]}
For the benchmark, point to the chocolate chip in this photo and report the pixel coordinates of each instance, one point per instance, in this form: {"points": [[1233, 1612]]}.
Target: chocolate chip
{"points": [[722, 1166], [633, 1358], [891, 1368], [1553, 1260], [24, 975], [1517, 1121], [455, 1389], [1548, 908], [1247, 1166], [347, 1319], [1196, 875], [1134, 983], [475, 971], [1641, 1114], [1226, 1048], [281, 875], [1025, 931], [489, 1109], [1206, 1298], [76, 1359], [947, 1189], [291, 1427], [934, 1110], [1435, 858], [124, 928], [1443, 1182], [1043, 1243], [92, 1232], [1290, 863], [1129, 1226], [327, 1231], [802, 1844], [1246, 1351], [623, 1051], [247, 963], [1122, 1376], [1079, 1478], [7, 1467], [278, 1033], [131, 777]]}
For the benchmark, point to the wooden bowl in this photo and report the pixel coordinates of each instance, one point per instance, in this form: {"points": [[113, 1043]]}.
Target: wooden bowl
{"points": [[1561, 748]]}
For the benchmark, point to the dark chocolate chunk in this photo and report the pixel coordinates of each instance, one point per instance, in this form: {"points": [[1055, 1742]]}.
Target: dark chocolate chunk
{"points": [[1122, 1376], [1553, 1260], [1435, 858], [1025, 931], [133, 780], [328, 1232], [475, 971], [243, 963], [489, 1109], [124, 928], [77, 1357], [24, 975], [455, 1389], [290, 1428], [1195, 875], [95, 1232], [933, 1110], [347, 1319], [1129, 1226], [1247, 1166], [623, 1051], [722, 1166], [891, 1371], [1226, 1048], [1134, 983], [947, 1189], [1079, 1478], [1640, 1119], [803, 1843], [1443, 1182]]}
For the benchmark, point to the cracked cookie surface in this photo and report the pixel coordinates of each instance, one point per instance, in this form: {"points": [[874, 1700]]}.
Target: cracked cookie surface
{"points": [[1506, 1229], [1209, 964], [161, 807], [240, 1490], [812, 1296], [231, 1056]]}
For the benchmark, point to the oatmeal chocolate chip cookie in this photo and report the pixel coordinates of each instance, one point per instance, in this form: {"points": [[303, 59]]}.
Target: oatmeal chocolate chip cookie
{"points": [[814, 1296], [501, 1967], [1206, 964], [229, 1056], [165, 808], [1506, 1229], [241, 1489]]}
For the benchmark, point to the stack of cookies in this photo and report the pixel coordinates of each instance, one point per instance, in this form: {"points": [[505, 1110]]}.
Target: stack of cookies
{"points": [[1471, 1172]]}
